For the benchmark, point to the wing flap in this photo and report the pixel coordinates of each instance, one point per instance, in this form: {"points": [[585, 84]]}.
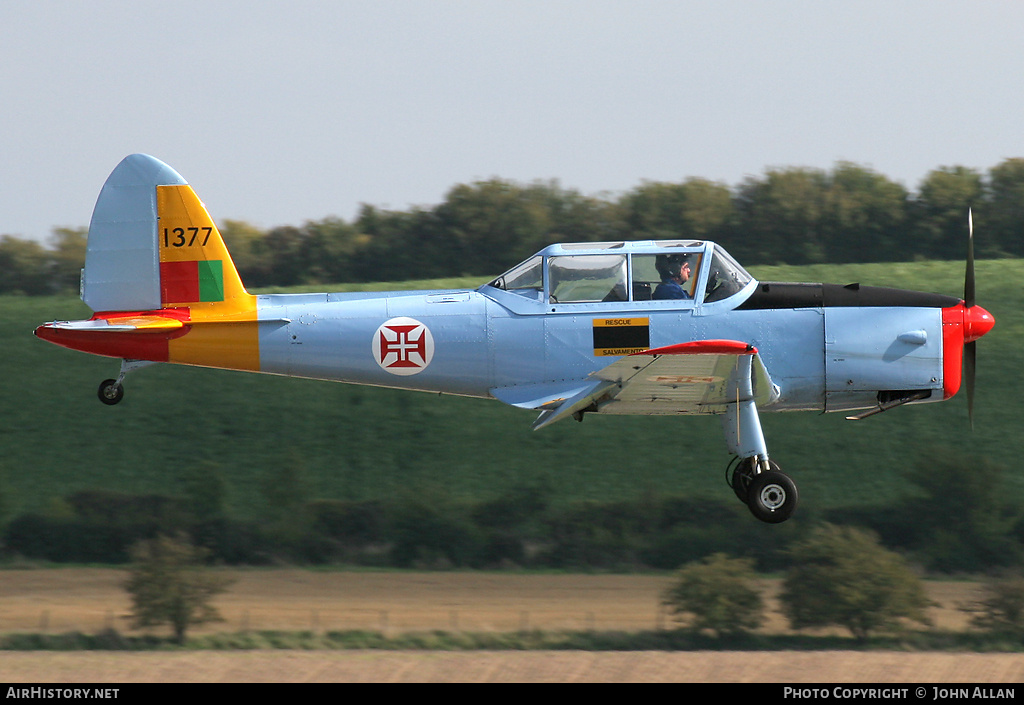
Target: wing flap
{"points": [[698, 377], [582, 400], [542, 395]]}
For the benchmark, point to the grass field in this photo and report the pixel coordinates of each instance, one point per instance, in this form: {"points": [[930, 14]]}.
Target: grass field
{"points": [[359, 443]]}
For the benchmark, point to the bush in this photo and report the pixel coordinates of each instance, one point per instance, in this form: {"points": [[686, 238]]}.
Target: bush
{"points": [[719, 594], [1001, 608], [167, 587], [842, 576]]}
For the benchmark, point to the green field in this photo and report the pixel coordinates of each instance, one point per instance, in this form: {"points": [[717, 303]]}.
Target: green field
{"points": [[358, 443]]}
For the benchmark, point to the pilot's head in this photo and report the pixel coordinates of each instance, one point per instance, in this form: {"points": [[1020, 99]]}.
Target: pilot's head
{"points": [[675, 267]]}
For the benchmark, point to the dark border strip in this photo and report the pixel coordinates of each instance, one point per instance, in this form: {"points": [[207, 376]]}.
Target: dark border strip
{"points": [[777, 295]]}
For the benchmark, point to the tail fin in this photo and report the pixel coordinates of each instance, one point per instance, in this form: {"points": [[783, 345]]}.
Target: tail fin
{"points": [[153, 245], [159, 278]]}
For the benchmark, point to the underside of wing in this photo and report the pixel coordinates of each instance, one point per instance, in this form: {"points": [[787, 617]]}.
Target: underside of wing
{"points": [[699, 377]]}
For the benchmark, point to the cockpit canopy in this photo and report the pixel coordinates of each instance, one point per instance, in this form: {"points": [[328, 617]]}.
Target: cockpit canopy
{"points": [[627, 271]]}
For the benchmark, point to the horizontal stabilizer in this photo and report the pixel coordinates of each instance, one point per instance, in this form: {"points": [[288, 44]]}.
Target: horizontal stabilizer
{"points": [[119, 324], [134, 336]]}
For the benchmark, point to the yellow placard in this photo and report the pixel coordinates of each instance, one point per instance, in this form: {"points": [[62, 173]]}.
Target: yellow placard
{"points": [[620, 322]]}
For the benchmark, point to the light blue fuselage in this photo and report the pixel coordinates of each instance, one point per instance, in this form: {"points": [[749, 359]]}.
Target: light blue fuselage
{"points": [[489, 340]]}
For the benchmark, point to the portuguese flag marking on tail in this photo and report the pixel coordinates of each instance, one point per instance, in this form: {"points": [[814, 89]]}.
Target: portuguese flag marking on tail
{"points": [[192, 281]]}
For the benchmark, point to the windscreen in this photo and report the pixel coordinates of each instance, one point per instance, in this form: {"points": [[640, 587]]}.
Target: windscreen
{"points": [[725, 278], [526, 278]]}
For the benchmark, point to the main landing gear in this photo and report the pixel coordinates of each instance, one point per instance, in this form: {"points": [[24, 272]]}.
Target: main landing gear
{"points": [[770, 494], [756, 480]]}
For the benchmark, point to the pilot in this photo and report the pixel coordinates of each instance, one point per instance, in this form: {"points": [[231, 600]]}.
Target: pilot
{"points": [[674, 271]]}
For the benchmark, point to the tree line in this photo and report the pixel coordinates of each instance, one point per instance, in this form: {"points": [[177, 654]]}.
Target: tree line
{"points": [[840, 576], [791, 215], [951, 522]]}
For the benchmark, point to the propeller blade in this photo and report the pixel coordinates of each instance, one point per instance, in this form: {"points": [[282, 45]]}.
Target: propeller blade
{"points": [[969, 275], [970, 365]]}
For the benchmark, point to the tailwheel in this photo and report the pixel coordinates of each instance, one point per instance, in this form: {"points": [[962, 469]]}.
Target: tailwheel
{"points": [[772, 496], [110, 392]]}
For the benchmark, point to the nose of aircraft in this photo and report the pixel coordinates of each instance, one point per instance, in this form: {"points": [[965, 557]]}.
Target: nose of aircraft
{"points": [[977, 322], [962, 325]]}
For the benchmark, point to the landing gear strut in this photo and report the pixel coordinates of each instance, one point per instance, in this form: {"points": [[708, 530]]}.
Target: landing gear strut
{"points": [[756, 480]]}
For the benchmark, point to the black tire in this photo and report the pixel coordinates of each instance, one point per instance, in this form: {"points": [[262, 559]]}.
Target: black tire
{"points": [[742, 474], [110, 392], [772, 497]]}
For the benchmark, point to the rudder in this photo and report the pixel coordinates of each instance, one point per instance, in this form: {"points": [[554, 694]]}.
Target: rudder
{"points": [[195, 267]]}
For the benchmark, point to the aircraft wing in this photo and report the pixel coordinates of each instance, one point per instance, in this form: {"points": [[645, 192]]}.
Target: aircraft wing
{"points": [[699, 377]]}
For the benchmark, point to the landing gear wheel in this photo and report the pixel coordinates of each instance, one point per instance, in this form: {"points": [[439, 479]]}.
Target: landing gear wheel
{"points": [[110, 392], [743, 474], [772, 497]]}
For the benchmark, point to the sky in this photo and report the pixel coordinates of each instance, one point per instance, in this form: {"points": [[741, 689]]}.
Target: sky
{"points": [[279, 113]]}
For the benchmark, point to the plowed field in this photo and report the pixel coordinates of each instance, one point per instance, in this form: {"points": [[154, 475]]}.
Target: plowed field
{"points": [[88, 600]]}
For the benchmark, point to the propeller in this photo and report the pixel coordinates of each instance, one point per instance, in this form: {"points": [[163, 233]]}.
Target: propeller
{"points": [[970, 365], [969, 275], [971, 348], [976, 323]]}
